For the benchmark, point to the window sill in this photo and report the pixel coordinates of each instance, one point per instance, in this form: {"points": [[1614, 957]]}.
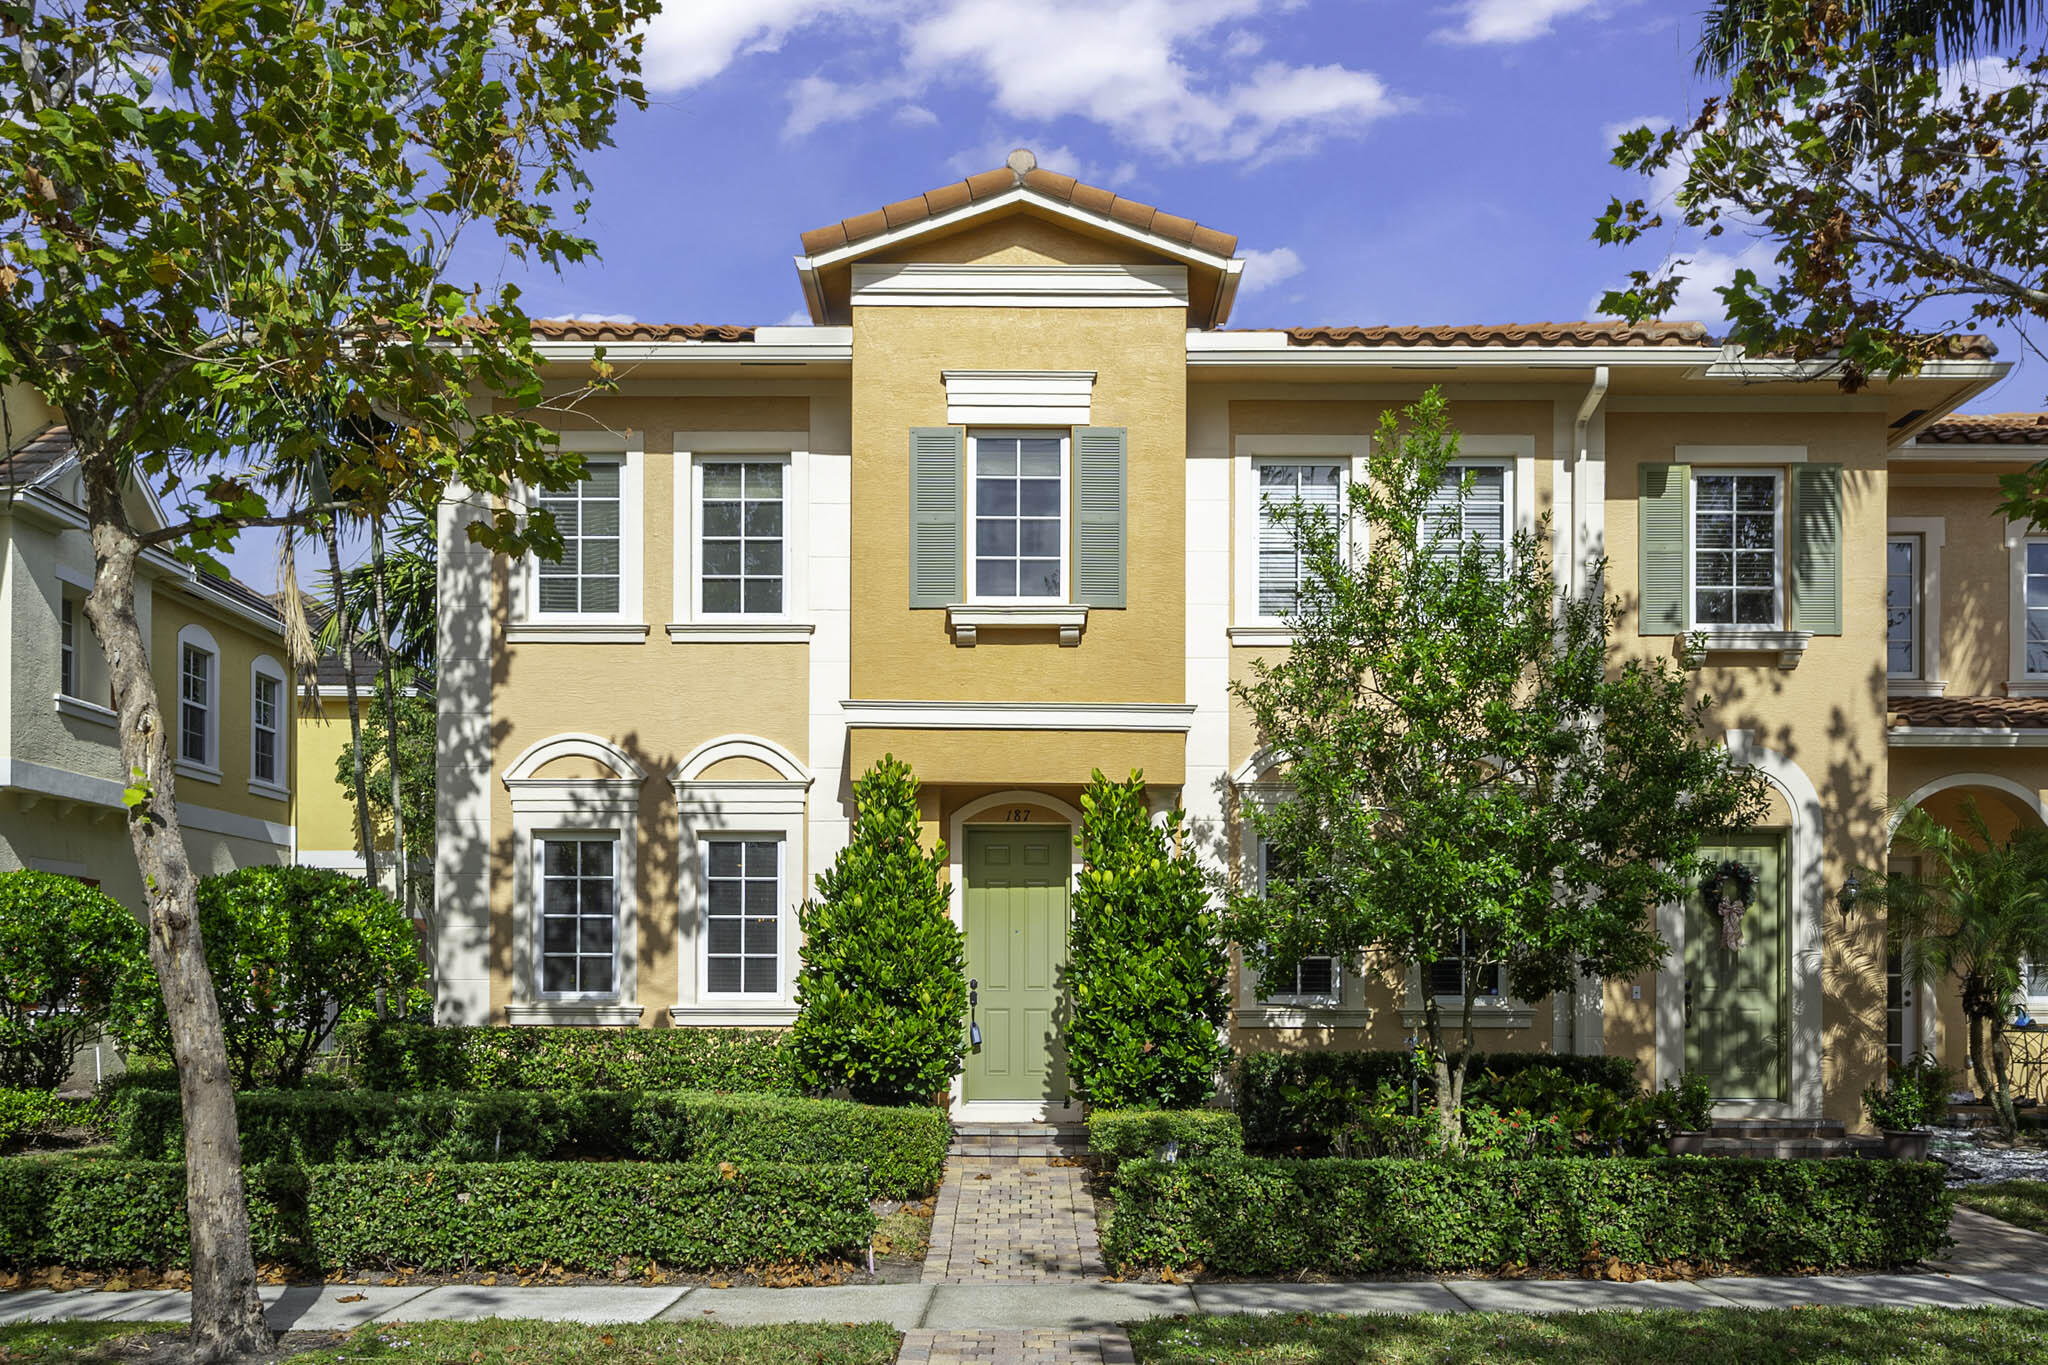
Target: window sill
{"points": [[740, 632], [968, 619], [1915, 687], [1788, 645], [1451, 1014], [79, 709], [584, 1013], [270, 790], [1260, 635], [575, 633], [198, 772], [741, 1016], [1280, 1014], [2027, 687]]}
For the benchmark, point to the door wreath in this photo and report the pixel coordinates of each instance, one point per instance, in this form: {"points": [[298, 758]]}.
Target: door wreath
{"points": [[1727, 887]]}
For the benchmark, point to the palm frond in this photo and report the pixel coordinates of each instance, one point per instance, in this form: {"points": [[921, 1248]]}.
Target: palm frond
{"points": [[1960, 28]]}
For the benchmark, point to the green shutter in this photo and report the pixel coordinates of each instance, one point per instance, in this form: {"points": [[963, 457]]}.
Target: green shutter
{"points": [[1816, 550], [935, 497], [1099, 516], [1663, 506]]}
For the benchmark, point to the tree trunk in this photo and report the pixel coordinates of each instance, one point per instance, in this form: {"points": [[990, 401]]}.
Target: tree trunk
{"points": [[2001, 1075], [402, 870], [345, 635], [1449, 1073], [227, 1316]]}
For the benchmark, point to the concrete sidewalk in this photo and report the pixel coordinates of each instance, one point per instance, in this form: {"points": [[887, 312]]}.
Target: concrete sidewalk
{"points": [[1062, 1307]]}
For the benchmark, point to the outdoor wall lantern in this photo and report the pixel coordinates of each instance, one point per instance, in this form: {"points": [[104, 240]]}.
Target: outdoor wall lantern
{"points": [[1851, 890]]}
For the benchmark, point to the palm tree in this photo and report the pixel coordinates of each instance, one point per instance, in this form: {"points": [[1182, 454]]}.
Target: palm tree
{"points": [[1960, 28], [1975, 911]]}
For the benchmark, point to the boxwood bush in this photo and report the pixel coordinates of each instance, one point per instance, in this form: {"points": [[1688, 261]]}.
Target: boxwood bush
{"points": [[1261, 1082], [403, 1056], [105, 1215], [1271, 1218], [1116, 1135], [903, 1149], [28, 1114]]}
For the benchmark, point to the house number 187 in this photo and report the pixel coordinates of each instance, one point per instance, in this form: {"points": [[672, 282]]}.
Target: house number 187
{"points": [[1017, 815]]}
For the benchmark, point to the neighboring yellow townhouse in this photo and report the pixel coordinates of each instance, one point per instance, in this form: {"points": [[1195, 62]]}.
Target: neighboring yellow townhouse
{"points": [[1000, 511], [216, 650]]}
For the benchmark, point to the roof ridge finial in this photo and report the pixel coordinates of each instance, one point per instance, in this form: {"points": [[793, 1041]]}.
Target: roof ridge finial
{"points": [[1021, 163]]}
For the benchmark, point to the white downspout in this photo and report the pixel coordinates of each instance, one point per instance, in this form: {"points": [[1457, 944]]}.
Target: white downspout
{"points": [[1578, 553]]}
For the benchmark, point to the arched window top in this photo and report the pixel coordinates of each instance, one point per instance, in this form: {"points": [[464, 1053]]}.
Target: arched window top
{"points": [[593, 747], [705, 756]]}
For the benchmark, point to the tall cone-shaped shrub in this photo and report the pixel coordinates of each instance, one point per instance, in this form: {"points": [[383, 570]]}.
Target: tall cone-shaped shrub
{"points": [[882, 992], [1146, 959]]}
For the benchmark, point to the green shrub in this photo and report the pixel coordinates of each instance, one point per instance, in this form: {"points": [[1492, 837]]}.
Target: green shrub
{"points": [[1592, 1118], [904, 1149], [1912, 1096], [1116, 1135], [1268, 1218], [294, 952], [28, 1114], [1279, 1094], [73, 962], [396, 1055], [882, 990], [1146, 961], [102, 1215]]}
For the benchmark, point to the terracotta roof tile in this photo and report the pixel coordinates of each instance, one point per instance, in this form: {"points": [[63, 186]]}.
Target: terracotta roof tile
{"points": [[1510, 334], [1986, 429], [36, 456], [578, 329], [1973, 713], [1023, 169]]}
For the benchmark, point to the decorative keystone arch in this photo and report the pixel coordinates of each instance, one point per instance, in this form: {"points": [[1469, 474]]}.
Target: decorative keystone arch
{"points": [[536, 756], [2027, 797], [702, 758]]}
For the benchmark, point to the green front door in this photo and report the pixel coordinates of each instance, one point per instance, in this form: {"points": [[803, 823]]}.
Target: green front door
{"points": [[1016, 913], [1735, 1020]]}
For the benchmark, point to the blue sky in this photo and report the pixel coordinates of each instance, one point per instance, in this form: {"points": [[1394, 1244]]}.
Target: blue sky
{"points": [[1380, 160]]}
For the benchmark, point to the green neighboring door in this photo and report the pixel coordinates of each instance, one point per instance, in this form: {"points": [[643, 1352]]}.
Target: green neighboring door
{"points": [[1735, 1019], [1016, 914]]}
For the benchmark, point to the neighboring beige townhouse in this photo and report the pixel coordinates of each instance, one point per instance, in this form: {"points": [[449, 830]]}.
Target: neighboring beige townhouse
{"points": [[1002, 511], [217, 652]]}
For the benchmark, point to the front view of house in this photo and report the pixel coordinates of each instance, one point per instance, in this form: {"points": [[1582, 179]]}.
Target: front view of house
{"points": [[1005, 511]]}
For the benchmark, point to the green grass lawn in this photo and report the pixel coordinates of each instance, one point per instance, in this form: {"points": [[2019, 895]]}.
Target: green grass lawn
{"points": [[502, 1343], [2023, 1203], [1783, 1336]]}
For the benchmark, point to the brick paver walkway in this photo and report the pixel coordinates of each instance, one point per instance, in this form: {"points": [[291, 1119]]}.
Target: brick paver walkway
{"points": [[1013, 1220], [923, 1346]]}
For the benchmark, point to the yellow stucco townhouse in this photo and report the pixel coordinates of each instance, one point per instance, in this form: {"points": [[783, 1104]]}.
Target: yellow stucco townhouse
{"points": [[997, 511]]}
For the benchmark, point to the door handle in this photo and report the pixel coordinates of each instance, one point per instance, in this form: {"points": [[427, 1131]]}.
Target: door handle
{"points": [[973, 1024]]}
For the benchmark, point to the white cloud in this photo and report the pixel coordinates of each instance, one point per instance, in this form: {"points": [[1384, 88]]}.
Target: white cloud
{"points": [[915, 116], [1510, 21], [1264, 269], [1705, 271], [1165, 77], [600, 317], [993, 152], [800, 317]]}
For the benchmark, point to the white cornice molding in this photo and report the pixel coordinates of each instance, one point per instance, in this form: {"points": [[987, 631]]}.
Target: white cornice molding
{"points": [[928, 285], [572, 633], [1054, 398], [61, 784], [1158, 717], [1966, 737]]}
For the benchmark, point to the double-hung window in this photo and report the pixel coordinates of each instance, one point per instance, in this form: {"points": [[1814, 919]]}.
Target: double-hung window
{"points": [[1315, 487], [1737, 537], [579, 916], [266, 726], [196, 668], [67, 647], [742, 916], [1470, 506], [1020, 523], [743, 567], [585, 580], [1447, 974], [1902, 610], [2036, 608], [1315, 979]]}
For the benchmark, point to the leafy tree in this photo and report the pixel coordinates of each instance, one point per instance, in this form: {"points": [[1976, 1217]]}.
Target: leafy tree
{"points": [[1467, 776], [1905, 202], [413, 740], [72, 964], [1959, 28], [223, 229], [1146, 959], [295, 953], [882, 991], [1976, 911]]}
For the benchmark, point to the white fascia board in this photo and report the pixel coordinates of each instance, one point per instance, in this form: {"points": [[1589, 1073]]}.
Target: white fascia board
{"points": [[1267, 354], [1966, 737], [1994, 452], [701, 352], [1236, 341]]}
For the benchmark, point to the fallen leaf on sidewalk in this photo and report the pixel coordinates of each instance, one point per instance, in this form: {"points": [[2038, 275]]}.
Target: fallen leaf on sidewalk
{"points": [[352, 1298]]}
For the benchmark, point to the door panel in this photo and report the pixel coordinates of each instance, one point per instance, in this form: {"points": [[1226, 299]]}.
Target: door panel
{"points": [[1735, 1026], [1015, 904]]}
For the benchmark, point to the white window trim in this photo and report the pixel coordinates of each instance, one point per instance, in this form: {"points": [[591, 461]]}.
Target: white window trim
{"points": [[529, 624], [738, 808], [1248, 626], [207, 770], [696, 546], [784, 984], [68, 687], [1066, 558], [2019, 682], [1933, 534], [1512, 516], [1346, 473], [1309, 1000], [573, 808], [1255, 785], [278, 788], [688, 625], [536, 878], [1717, 633]]}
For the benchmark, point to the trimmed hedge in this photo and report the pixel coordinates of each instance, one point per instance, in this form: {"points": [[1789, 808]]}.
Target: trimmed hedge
{"points": [[1116, 1135], [386, 1055], [28, 1114], [107, 1215], [904, 1150], [1264, 1218], [1260, 1080]]}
